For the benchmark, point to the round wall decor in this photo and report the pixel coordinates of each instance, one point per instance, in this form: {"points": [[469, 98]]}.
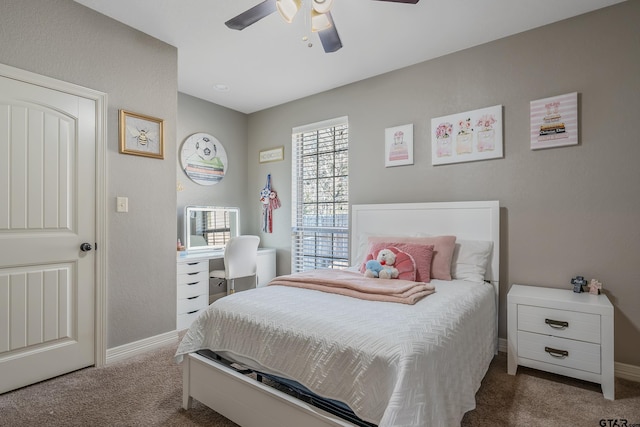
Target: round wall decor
{"points": [[203, 159]]}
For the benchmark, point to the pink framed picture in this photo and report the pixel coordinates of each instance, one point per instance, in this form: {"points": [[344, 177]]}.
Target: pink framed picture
{"points": [[554, 121]]}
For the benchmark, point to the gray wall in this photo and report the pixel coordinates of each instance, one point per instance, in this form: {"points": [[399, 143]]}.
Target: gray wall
{"points": [[565, 211], [230, 128], [67, 41]]}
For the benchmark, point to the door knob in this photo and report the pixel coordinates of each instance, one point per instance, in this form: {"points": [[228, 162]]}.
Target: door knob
{"points": [[85, 247]]}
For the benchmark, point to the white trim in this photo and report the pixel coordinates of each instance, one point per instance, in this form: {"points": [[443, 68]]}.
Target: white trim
{"points": [[627, 372], [338, 121], [502, 345], [135, 348], [100, 99], [101, 232]]}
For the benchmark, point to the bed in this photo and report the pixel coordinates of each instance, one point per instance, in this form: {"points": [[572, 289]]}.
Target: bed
{"points": [[392, 364]]}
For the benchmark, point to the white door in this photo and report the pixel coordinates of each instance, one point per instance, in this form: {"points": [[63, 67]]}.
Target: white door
{"points": [[47, 210]]}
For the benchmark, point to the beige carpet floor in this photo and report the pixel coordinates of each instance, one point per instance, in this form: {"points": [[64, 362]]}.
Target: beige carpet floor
{"points": [[146, 391]]}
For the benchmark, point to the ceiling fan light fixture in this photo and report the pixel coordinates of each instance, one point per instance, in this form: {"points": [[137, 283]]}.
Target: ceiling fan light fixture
{"points": [[288, 9], [319, 21], [322, 6]]}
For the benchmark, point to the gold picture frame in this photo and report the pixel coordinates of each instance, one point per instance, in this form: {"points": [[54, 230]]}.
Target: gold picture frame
{"points": [[271, 155], [141, 135]]}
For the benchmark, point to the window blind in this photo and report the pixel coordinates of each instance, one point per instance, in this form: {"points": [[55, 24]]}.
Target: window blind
{"points": [[216, 227], [320, 217]]}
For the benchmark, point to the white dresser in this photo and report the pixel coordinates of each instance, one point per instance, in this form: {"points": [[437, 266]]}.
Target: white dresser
{"points": [[560, 331], [193, 290], [193, 281]]}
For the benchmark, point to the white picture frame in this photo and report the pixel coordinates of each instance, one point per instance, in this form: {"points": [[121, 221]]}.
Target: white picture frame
{"points": [[554, 121], [271, 155], [398, 146], [467, 137]]}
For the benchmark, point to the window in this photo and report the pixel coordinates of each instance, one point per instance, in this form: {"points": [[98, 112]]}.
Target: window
{"points": [[320, 218]]}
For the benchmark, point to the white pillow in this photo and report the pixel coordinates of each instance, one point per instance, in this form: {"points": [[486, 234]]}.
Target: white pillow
{"points": [[470, 260]]}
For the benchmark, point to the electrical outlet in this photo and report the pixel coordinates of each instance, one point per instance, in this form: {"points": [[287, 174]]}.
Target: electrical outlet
{"points": [[122, 204]]}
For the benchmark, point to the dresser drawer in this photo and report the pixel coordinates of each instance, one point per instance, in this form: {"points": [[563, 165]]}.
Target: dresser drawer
{"points": [[192, 267], [579, 355], [192, 290], [183, 321], [559, 323], [187, 278], [194, 303]]}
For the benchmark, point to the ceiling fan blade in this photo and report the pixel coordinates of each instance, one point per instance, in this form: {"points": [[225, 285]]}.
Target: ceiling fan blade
{"points": [[329, 37], [402, 1], [253, 15]]}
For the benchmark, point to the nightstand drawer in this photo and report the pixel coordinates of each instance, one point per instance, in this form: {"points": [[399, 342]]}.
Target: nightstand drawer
{"points": [[572, 354], [194, 303], [559, 323], [194, 289]]}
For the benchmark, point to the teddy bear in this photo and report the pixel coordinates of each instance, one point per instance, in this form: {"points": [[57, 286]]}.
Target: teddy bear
{"points": [[382, 266]]}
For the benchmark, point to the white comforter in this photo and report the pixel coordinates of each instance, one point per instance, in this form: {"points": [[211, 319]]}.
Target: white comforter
{"points": [[393, 364]]}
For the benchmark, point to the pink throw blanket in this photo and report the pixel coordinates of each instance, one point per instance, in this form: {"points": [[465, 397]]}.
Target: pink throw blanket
{"points": [[355, 285]]}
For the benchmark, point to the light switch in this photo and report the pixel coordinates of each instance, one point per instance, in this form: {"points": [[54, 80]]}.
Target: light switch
{"points": [[122, 204]]}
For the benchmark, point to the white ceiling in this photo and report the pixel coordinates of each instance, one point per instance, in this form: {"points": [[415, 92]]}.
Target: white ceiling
{"points": [[268, 64]]}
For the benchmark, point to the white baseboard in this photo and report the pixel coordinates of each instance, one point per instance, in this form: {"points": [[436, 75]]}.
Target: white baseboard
{"points": [[138, 347], [627, 372], [621, 370], [502, 345]]}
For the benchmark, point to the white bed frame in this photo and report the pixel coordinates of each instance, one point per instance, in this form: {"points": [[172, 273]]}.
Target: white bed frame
{"points": [[253, 404]]}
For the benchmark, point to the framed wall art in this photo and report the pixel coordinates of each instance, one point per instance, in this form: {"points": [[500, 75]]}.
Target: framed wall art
{"points": [[203, 159], [271, 155], [141, 135], [467, 137], [398, 146], [554, 121]]}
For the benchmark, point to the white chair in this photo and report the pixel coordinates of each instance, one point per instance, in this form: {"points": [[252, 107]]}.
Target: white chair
{"points": [[240, 260]]}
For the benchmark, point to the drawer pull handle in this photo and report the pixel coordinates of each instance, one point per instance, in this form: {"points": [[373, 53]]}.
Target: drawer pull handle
{"points": [[193, 297], [556, 324], [191, 274], [192, 283], [560, 354], [193, 263], [194, 311]]}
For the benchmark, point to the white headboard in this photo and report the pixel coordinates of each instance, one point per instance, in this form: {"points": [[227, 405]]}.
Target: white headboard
{"points": [[465, 220]]}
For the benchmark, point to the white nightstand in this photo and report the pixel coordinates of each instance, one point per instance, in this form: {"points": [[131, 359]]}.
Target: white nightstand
{"points": [[560, 331]]}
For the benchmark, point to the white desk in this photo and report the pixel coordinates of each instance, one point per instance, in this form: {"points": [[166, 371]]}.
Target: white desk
{"points": [[193, 280]]}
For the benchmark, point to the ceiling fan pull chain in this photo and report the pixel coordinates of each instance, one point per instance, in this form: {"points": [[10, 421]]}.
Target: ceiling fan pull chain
{"points": [[307, 23]]}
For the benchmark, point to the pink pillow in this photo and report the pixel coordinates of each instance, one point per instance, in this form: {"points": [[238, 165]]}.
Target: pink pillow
{"points": [[404, 263], [421, 254], [443, 246]]}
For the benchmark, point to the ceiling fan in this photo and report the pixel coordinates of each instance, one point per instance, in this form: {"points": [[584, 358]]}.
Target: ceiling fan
{"points": [[321, 19]]}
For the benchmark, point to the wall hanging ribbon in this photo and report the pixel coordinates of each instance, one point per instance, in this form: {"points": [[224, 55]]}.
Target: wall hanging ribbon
{"points": [[270, 201]]}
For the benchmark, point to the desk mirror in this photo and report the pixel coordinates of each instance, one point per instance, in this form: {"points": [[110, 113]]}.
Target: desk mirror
{"points": [[210, 227]]}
